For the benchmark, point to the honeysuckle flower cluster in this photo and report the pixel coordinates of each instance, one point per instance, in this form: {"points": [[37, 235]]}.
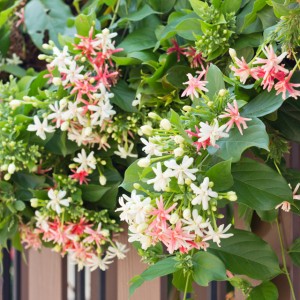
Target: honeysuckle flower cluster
{"points": [[269, 70], [71, 229], [174, 203]]}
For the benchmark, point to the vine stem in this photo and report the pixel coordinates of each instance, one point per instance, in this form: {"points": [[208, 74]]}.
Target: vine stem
{"points": [[284, 261], [186, 286], [115, 13]]}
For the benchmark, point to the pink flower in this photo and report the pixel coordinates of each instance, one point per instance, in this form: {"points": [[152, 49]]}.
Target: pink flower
{"points": [[80, 176], [244, 71], [161, 213], [197, 134], [87, 45], [30, 238], [285, 85], [235, 118], [272, 61], [94, 236], [196, 59], [194, 85], [285, 206], [176, 48], [78, 228]]}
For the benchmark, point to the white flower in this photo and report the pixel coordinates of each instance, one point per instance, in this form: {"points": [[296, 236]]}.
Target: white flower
{"points": [[104, 40], [216, 236], [41, 221], [119, 250], [181, 171], [136, 235], [212, 132], [178, 152], [137, 100], [151, 148], [15, 103], [102, 112], [11, 168], [61, 58], [14, 60], [40, 128], [86, 162], [135, 209], [146, 129], [94, 262], [125, 152], [162, 179], [57, 199], [196, 224], [72, 73], [204, 193], [57, 114]]}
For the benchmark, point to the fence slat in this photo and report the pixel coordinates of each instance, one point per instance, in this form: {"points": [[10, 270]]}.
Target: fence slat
{"points": [[46, 276], [130, 267]]}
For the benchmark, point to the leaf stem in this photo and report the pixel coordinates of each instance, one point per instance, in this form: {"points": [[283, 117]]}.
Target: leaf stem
{"points": [[284, 261], [115, 14], [186, 286]]}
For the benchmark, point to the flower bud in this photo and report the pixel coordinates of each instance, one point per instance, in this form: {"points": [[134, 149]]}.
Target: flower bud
{"points": [[64, 126], [187, 108], [87, 131], [7, 176], [26, 98], [34, 202], [188, 181], [147, 129], [56, 81], [144, 162], [231, 196], [165, 124], [178, 152], [42, 57], [11, 168], [187, 213], [4, 167], [154, 116], [105, 232], [136, 186], [174, 218], [232, 53], [102, 180], [14, 104], [222, 92], [178, 139]]}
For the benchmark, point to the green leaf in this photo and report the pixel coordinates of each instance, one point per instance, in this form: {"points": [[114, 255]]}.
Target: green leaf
{"points": [[175, 120], [229, 6], [60, 144], [215, 80], [176, 75], [14, 70], [288, 120], [19, 205], [142, 38], [179, 281], [28, 181], [83, 23], [189, 29], [139, 15], [5, 14], [294, 252], [93, 192], [207, 267], [162, 6], [123, 96], [264, 291], [162, 268], [199, 7], [254, 136], [263, 104], [247, 254], [280, 9], [43, 16], [268, 215], [220, 175], [258, 186], [254, 7]]}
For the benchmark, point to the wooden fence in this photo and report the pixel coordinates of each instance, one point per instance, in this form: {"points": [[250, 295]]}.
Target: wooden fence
{"points": [[45, 276]]}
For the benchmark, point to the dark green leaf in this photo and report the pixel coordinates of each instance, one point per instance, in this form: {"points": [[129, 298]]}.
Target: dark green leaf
{"points": [[162, 268], [229, 6], [245, 253], [207, 268], [294, 252], [254, 136], [264, 291], [258, 186], [215, 80], [179, 281], [263, 104], [83, 23], [28, 180], [19, 205], [93, 192], [175, 120], [162, 6], [220, 175]]}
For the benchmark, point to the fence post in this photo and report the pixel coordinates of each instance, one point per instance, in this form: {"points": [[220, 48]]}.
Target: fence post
{"points": [[47, 278]]}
